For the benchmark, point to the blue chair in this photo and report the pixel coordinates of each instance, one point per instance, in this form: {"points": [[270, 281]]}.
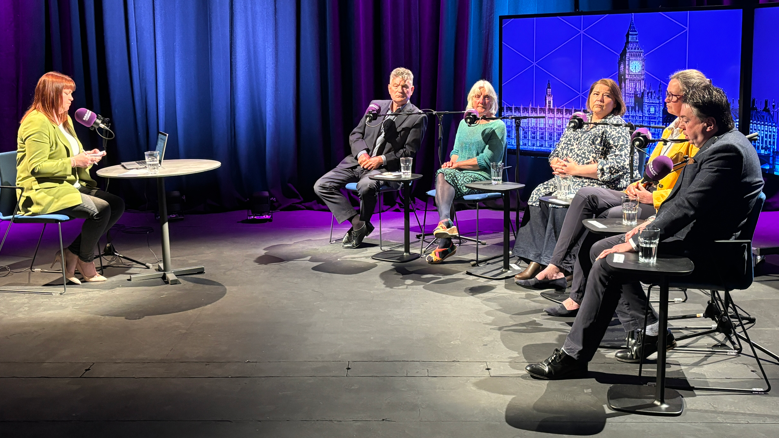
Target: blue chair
{"points": [[9, 208], [382, 189], [736, 273]]}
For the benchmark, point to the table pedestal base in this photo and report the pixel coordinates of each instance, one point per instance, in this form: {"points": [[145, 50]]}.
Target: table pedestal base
{"points": [[493, 271], [169, 277], [638, 399], [395, 256]]}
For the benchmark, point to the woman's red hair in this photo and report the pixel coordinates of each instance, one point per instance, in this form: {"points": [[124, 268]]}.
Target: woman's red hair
{"points": [[48, 97]]}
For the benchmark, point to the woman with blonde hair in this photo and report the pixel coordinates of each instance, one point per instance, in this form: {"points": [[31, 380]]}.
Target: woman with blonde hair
{"points": [[53, 170], [475, 147]]}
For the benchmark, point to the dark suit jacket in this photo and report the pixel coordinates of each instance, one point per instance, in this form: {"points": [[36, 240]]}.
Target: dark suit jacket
{"points": [[410, 131], [713, 196]]}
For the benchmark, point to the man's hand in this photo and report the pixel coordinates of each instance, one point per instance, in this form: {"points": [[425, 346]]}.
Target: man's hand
{"points": [[372, 163], [620, 247], [638, 229], [362, 159], [637, 190]]}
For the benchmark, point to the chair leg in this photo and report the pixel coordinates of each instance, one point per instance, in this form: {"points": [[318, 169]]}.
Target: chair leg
{"points": [[32, 263], [332, 220], [381, 242], [477, 233], [62, 259], [7, 229]]}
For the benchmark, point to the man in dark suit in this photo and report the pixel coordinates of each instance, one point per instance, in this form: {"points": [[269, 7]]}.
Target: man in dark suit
{"points": [[376, 146], [712, 200]]}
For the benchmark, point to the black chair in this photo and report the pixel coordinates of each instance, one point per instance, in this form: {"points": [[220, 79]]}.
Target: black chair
{"points": [[736, 272], [9, 209]]}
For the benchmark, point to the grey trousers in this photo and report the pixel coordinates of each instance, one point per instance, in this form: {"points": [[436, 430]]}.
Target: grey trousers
{"points": [[100, 211], [589, 202], [329, 186], [607, 290]]}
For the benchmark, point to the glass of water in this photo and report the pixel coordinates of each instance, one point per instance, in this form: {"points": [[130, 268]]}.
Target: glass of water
{"points": [[152, 162], [405, 166], [563, 184], [629, 210], [648, 238], [496, 170]]}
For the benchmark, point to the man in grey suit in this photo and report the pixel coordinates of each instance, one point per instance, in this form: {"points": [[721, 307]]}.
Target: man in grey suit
{"points": [[376, 146], [712, 200]]}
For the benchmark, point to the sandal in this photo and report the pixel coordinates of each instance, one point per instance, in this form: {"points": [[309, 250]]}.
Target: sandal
{"points": [[441, 254], [446, 230]]}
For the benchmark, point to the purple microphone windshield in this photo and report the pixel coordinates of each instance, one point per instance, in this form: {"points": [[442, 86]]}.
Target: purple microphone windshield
{"points": [[658, 168], [85, 117], [372, 108], [640, 131]]}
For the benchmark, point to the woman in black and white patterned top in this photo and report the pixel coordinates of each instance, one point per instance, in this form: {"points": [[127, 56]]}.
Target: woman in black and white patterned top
{"points": [[593, 156]]}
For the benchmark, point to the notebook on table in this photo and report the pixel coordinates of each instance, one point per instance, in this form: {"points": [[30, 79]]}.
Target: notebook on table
{"points": [[162, 141]]}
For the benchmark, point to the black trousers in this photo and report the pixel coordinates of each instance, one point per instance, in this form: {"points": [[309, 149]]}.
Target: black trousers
{"points": [[608, 290], [100, 211], [329, 186]]}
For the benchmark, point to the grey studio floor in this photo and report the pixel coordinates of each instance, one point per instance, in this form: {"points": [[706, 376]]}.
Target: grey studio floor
{"points": [[288, 336]]}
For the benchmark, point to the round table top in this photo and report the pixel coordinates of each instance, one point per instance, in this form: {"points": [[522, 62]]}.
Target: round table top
{"points": [[394, 177], [168, 168], [555, 200], [608, 225], [666, 265], [488, 186]]}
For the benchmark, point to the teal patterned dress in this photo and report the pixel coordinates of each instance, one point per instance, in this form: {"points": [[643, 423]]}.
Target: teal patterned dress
{"points": [[485, 142]]}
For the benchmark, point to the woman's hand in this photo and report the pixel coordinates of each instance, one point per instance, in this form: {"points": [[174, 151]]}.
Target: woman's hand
{"points": [[449, 165], [620, 247], [637, 190], [81, 160], [95, 155]]}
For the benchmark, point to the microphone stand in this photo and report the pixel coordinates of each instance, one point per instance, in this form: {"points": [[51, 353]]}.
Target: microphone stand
{"points": [[517, 127], [110, 249], [631, 128]]}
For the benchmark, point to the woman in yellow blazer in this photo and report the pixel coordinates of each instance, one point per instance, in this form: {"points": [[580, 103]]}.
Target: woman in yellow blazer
{"points": [[53, 170]]}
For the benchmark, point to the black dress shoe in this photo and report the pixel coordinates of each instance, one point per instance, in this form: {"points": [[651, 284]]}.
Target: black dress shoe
{"points": [[360, 234], [347, 240], [558, 366], [558, 283], [529, 272], [560, 310], [635, 353]]}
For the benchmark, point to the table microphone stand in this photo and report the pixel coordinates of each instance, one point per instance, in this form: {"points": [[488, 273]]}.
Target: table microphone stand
{"points": [[110, 250]]}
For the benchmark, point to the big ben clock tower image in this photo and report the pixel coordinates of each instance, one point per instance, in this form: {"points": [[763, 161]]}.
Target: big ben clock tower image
{"points": [[631, 67]]}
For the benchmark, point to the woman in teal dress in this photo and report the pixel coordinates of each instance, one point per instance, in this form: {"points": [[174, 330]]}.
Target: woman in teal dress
{"points": [[475, 147]]}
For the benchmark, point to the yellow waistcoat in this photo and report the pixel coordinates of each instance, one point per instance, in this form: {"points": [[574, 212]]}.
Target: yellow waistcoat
{"points": [[43, 167], [676, 152]]}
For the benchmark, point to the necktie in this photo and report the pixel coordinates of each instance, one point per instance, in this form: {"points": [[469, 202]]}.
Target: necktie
{"points": [[380, 142]]}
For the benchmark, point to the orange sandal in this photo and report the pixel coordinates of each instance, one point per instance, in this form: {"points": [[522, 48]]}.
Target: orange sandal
{"points": [[441, 254]]}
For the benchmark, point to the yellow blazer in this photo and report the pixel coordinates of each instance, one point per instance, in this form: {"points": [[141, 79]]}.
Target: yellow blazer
{"points": [[43, 167], [675, 153]]}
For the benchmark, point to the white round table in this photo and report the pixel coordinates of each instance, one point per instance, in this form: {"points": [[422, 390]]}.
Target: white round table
{"points": [[169, 168]]}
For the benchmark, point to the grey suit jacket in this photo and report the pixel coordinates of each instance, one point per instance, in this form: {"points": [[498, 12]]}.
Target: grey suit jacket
{"points": [[714, 194], [410, 129]]}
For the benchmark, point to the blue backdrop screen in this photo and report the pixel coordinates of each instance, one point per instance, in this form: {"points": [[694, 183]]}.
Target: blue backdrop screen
{"points": [[549, 63], [764, 115]]}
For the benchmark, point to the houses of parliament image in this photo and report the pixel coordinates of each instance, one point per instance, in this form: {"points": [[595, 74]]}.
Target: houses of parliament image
{"points": [[645, 105]]}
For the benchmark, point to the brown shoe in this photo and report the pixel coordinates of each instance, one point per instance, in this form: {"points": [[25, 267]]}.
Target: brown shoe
{"points": [[532, 269]]}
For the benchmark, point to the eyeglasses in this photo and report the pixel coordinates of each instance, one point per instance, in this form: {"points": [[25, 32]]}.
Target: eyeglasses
{"points": [[672, 97]]}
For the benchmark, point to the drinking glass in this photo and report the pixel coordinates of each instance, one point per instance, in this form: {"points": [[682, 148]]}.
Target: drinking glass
{"points": [[152, 162], [496, 169], [405, 166], [648, 238], [629, 210]]}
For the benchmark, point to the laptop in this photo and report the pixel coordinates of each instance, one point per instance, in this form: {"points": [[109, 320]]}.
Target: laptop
{"points": [[162, 141]]}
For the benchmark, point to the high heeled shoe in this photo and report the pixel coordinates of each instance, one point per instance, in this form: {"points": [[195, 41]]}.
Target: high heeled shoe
{"points": [[89, 268], [70, 267]]}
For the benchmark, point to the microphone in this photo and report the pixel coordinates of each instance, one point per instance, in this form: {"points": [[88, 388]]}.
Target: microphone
{"points": [[372, 113], [577, 121], [656, 170], [639, 140], [90, 119], [471, 116]]}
